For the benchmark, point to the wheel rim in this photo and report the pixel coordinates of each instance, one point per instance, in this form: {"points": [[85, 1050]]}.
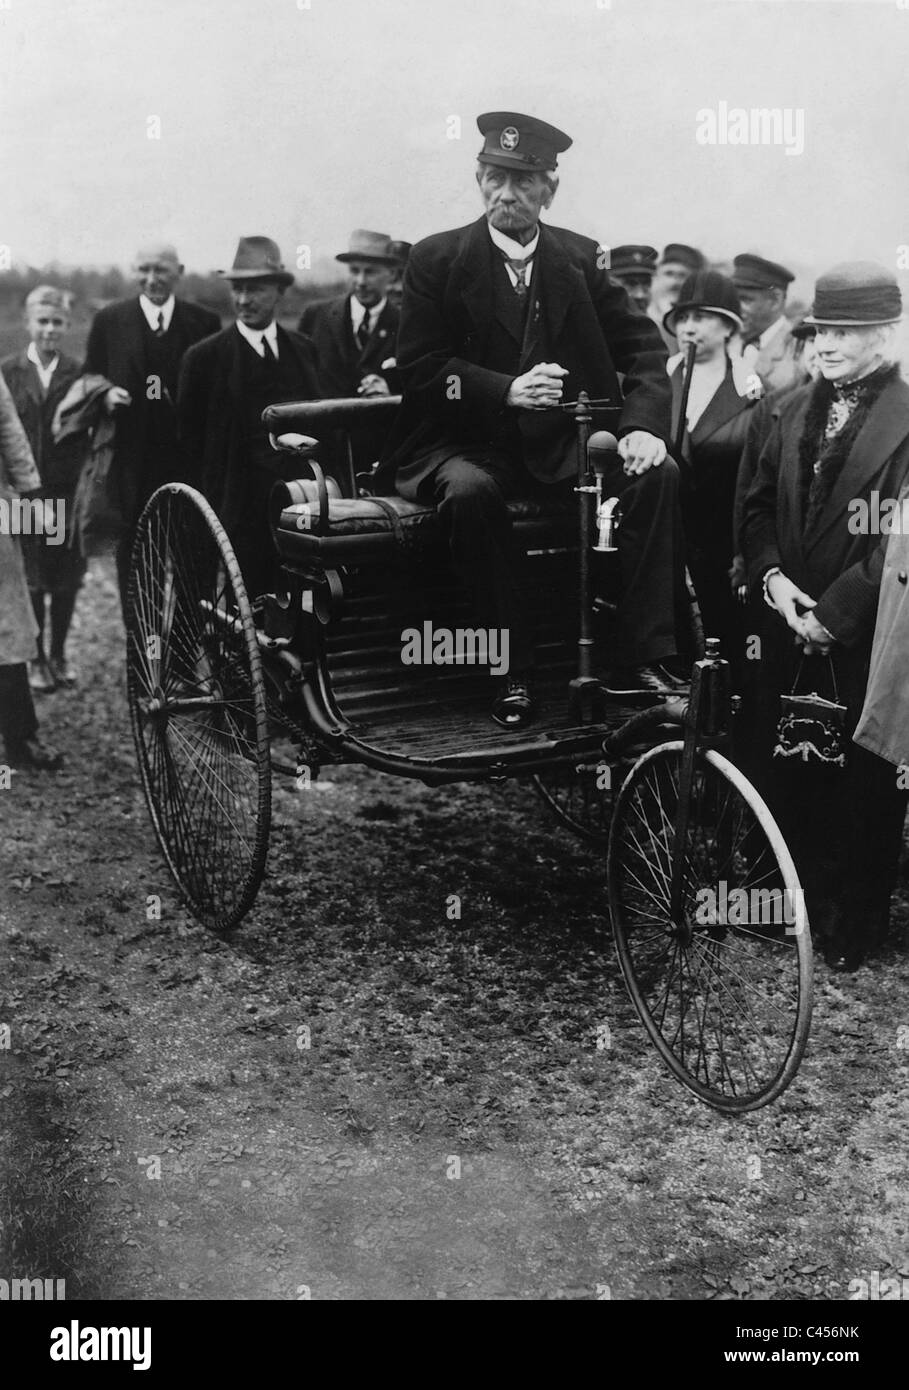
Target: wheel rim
{"points": [[197, 705], [725, 991]]}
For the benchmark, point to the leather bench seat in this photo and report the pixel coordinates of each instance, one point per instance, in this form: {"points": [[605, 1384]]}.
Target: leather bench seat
{"points": [[362, 530]]}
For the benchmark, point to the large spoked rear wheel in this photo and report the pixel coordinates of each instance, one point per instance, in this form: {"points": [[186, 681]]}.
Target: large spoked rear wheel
{"points": [[724, 987], [197, 705]]}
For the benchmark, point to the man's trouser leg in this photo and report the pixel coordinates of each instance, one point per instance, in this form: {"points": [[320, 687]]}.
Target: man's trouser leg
{"points": [[471, 501], [652, 611]]}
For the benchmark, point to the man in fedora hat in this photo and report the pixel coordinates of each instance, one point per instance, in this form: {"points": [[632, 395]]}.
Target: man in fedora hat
{"points": [[500, 320], [815, 551], [138, 344], [634, 267], [355, 334], [225, 385], [768, 346]]}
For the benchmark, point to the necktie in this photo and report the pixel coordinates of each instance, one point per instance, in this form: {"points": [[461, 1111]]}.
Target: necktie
{"points": [[267, 353], [519, 268], [159, 331], [363, 331]]}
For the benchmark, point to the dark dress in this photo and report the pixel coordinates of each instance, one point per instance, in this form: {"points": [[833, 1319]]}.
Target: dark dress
{"points": [[843, 826], [708, 469]]}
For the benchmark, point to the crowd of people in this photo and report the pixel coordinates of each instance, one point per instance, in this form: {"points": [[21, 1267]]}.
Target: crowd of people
{"points": [[744, 437]]}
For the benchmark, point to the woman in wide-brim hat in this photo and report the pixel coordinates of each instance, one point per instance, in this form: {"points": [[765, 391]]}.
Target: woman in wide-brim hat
{"points": [[835, 443], [719, 405]]}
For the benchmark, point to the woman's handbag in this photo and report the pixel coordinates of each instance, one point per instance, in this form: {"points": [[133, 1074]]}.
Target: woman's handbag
{"points": [[810, 727]]}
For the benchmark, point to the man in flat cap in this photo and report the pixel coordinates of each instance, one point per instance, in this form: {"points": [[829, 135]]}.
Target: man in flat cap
{"points": [[139, 344], [225, 384], [769, 349], [500, 320], [634, 267], [355, 334]]}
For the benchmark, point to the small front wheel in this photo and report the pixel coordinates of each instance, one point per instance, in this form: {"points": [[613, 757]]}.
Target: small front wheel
{"points": [[723, 985]]}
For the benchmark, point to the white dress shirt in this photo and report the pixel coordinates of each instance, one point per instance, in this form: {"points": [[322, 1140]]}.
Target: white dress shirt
{"points": [[359, 311], [153, 311], [44, 373], [515, 251], [254, 337]]}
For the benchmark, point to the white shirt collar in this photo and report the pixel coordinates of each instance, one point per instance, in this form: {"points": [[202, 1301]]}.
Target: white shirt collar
{"points": [[358, 310], [254, 337], [152, 311], [44, 373], [515, 251], [770, 333]]}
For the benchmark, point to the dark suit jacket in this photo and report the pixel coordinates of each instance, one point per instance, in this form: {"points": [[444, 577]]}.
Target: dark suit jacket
{"points": [[116, 349], [211, 414], [342, 364], [839, 569], [58, 464], [709, 465], [589, 326]]}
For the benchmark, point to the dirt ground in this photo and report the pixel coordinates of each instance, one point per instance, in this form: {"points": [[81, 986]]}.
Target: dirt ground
{"points": [[354, 1097]]}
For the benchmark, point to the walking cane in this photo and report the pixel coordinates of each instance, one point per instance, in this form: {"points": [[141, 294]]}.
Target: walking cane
{"points": [[696, 625], [683, 404]]}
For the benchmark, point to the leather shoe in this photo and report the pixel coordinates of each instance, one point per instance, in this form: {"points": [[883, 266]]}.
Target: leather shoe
{"points": [[654, 682], [31, 752], [514, 708], [844, 960], [40, 677], [61, 671]]}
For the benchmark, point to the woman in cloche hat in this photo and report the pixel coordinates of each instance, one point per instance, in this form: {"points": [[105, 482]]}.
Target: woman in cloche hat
{"points": [[720, 401], [837, 442]]}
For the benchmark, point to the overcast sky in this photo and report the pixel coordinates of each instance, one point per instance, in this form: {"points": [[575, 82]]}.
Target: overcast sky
{"points": [[302, 123]]}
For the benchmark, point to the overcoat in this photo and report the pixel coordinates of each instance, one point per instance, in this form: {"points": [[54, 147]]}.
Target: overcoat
{"points": [[843, 824], [58, 463], [116, 349], [838, 564], [342, 364], [588, 325], [211, 412], [18, 475], [883, 726]]}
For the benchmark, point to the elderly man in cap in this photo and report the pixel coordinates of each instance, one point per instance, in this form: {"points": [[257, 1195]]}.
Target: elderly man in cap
{"points": [[502, 319], [634, 267], [769, 348], [139, 344], [355, 334], [226, 383], [815, 550]]}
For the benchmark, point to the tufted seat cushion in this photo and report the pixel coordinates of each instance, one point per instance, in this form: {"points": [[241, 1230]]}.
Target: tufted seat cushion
{"points": [[362, 530]]}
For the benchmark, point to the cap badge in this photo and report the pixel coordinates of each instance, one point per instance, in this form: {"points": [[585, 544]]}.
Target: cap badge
{"points": [[509, 138]]}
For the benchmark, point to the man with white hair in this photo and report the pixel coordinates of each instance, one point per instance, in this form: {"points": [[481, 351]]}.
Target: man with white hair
{"points": [[138, 344]]}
